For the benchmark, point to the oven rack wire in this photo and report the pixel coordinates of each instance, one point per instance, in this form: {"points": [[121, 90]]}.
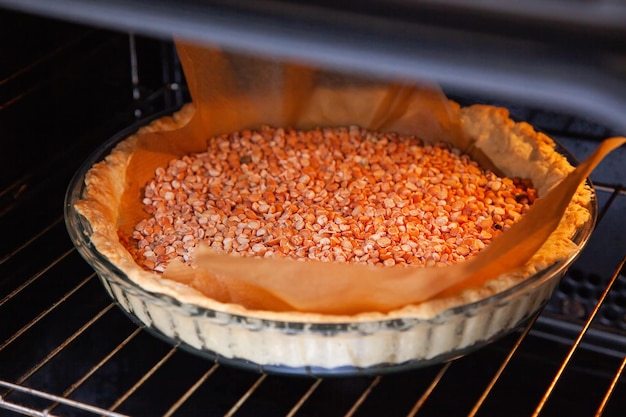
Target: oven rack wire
{"points": [[20, 395]]}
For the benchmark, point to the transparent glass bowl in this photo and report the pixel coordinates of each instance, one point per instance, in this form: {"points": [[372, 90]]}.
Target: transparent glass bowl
{"points": [[317, 349]]}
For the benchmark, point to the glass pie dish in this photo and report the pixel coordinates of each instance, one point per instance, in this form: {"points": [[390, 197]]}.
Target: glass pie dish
{"points": [[318, 348]]}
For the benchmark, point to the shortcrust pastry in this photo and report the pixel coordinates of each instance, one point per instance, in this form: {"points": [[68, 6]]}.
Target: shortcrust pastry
{"points": [[433, 329], [515, 148]]}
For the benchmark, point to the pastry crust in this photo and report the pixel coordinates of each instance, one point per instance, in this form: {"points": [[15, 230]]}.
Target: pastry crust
{"points": [[516, 148]]}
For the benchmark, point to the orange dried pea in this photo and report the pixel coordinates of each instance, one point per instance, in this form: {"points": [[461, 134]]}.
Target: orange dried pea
{"points": [[334, 194]]}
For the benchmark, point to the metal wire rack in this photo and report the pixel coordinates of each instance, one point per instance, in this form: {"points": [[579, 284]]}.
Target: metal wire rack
{"points": [[67, 350], [71, 352]]}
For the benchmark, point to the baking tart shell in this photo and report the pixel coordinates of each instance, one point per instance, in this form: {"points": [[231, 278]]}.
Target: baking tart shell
{"points": [[333, 348]]}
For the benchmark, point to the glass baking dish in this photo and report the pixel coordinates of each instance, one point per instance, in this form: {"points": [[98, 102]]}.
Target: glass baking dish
{"points": [[333, 348]]}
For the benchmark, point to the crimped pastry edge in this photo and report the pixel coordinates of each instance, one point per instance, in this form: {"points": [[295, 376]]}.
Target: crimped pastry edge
{"points": [[515, 147]]}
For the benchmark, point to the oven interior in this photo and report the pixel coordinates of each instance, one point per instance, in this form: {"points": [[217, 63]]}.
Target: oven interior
{"points": [[67, 350]]}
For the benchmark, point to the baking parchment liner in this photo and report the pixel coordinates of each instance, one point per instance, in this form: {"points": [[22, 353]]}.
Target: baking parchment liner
{"points": [[233, 92]]}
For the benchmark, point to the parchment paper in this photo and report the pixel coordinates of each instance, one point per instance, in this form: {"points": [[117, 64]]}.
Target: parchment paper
{"points": [[337, 288], [232, 92]]}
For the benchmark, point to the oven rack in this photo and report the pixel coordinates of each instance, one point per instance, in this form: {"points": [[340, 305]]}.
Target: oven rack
{"points": [[51, 371], [66, 350]]}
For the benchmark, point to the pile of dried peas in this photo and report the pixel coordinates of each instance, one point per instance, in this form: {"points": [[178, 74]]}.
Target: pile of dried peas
{"points": [[332, 194]]}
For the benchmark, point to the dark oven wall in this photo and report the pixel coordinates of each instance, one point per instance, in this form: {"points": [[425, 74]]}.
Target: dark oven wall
{"points": [[67, 89]]}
